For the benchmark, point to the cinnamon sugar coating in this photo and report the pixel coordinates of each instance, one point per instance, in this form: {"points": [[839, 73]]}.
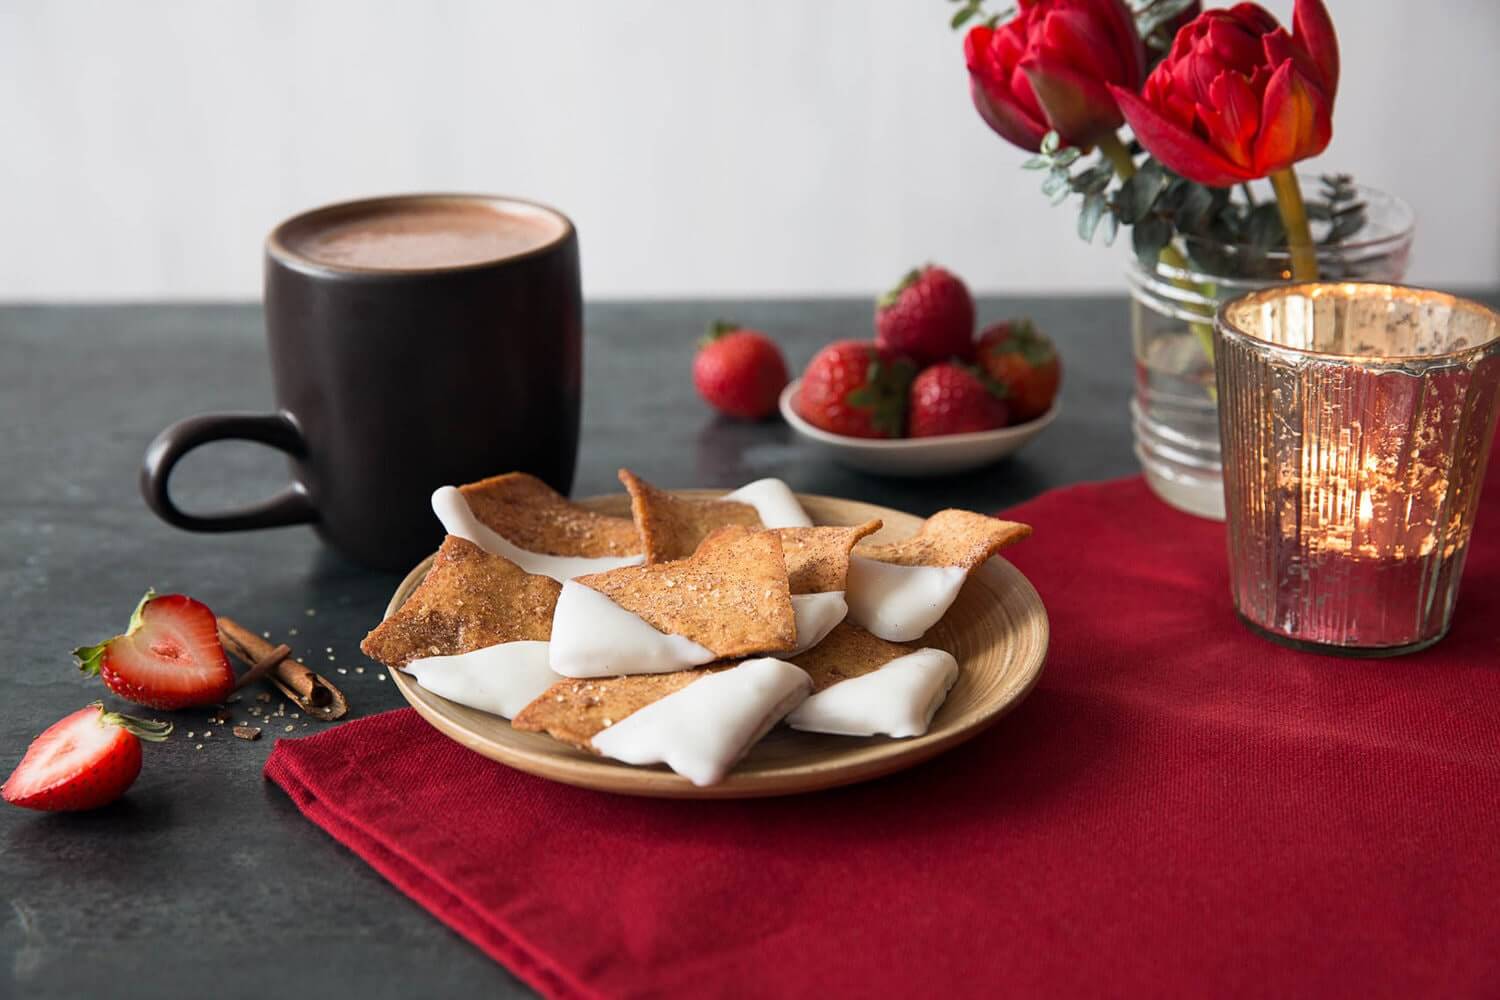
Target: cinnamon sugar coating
{"points": [[817, 559], [535, 517], [730, 596], [950, 538], [468, 600], [673, 527], [575, 711]]}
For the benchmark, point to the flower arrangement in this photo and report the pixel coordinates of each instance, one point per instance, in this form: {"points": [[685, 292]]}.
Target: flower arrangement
{"points": [[1219, 102]]}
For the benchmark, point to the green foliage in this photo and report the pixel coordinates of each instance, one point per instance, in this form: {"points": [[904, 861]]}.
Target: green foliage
{"points": [[1153, 19], [968, 10], [1222, 230]]}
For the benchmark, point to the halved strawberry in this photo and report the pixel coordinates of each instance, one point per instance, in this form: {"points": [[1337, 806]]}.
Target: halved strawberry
{"points": [[170, 656], [82, 762]]}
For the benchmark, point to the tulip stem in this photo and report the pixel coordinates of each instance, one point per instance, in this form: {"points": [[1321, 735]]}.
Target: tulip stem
{"points": [[1294, 220], [1119, 157]]}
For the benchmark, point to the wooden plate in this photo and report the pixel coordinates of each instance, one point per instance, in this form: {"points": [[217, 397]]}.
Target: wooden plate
{"points": [[997, 629]]}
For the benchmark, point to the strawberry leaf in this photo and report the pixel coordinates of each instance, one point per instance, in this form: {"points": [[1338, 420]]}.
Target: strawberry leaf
{"points": [[994, 387], [717, 329], [151, 730], [884, 394], [138, 616], [89, 656], [889, 298]]}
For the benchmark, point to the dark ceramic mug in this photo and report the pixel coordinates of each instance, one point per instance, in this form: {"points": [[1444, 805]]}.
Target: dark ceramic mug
{"points": [[391, 382]]}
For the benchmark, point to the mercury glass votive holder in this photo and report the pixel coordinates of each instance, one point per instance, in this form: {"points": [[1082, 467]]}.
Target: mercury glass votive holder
{"points": [[1356, 422]]}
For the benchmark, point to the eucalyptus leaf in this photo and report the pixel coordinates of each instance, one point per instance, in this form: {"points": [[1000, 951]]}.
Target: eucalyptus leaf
{"points": [[1111, 228], [1264, 229], [1139, 192], [1050, 143], [1055, 182], [1089, 216], [1345, 225], [1066, 157], [1196, 207], [1148, 238], [1037, 163], [1095, 178], [1157, 13]]}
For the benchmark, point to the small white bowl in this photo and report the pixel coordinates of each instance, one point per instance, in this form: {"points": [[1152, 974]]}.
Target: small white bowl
{"points": [[914, 457]]}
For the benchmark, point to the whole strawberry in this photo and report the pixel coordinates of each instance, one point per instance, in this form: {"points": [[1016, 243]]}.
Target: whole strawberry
{"points": [[84, 761], [955, 399], [928, 317], [739, 372], [169, 657], [1021, 358], [851, 388]]}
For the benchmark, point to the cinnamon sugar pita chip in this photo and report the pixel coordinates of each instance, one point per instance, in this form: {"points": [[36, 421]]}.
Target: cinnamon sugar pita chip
{"points": [[848, 651], [530, 514], [673, 527], [468, 600], [950, 538], [575, 711], [730, 596], [817, 559]]}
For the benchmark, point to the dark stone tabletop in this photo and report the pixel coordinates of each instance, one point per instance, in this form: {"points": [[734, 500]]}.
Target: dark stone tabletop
{"points": [[205, 879]]}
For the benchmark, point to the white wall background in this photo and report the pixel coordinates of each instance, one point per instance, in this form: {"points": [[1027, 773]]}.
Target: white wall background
{"points": [[703, 148]]}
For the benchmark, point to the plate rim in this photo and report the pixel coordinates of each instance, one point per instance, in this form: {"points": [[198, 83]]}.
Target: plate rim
{"points": [[602, 774]]}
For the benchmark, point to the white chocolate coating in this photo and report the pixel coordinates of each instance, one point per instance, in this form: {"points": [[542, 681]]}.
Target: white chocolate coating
{"points": [[593, 636], [900, 603], [899, 699], [702, 730], [816, 615], [453, 510], [774, 501], [500, 679]]}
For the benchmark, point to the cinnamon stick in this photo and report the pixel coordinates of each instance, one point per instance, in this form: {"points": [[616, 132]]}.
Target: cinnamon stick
{"points": [[262, 666], [315, 695]]}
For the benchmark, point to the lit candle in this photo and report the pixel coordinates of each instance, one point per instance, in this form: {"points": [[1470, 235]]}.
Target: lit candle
{"points": [[1356, 421]]}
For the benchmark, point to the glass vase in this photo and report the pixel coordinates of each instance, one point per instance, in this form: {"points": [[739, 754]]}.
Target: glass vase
{"points": [[1174, 411]]}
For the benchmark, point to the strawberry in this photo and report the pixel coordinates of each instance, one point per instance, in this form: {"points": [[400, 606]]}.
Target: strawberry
{"points": [[83, 762], [739, 372], [1022, 359], [955, 399], [169, 657], [850, 387], [928, 317]]}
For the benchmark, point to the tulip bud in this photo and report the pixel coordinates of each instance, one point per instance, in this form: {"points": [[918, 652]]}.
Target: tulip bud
{"points": [[1238, 98], [1050, 67]]}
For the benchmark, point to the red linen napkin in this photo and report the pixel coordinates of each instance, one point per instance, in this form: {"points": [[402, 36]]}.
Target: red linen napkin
{"points": [[1179, 808]]}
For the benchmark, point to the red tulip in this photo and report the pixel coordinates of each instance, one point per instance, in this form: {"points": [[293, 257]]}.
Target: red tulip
{"points": [[1238, 98], [1050, 67]]}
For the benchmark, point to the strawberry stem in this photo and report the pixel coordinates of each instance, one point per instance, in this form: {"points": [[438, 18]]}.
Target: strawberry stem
{"points": [[717, 329], [889, 298], [151, 730]]}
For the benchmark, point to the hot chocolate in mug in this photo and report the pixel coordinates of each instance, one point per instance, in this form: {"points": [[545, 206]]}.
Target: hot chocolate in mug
{"points": [[415, 341]]}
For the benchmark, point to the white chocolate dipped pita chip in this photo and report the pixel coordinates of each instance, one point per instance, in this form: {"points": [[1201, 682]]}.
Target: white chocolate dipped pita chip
{"points": [[901, 589]]}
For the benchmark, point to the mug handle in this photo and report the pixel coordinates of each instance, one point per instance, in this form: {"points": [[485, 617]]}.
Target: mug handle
{"points": [[278, 430]]}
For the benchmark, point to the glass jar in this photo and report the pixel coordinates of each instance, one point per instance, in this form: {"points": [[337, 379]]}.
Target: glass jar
{"points": [[1358, 418], [1173, 411]]}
